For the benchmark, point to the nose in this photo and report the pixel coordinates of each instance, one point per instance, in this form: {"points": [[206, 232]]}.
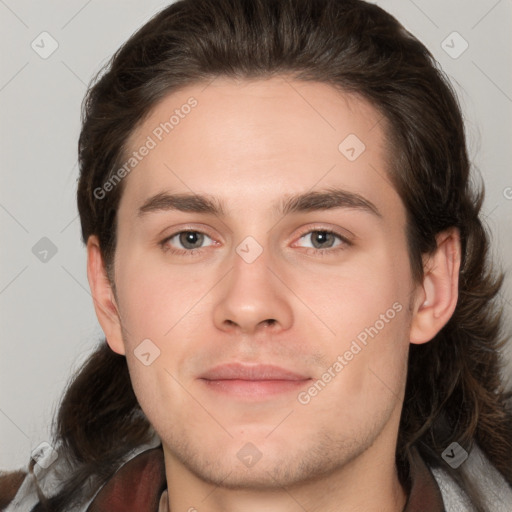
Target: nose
{"points": [[253, 298]]}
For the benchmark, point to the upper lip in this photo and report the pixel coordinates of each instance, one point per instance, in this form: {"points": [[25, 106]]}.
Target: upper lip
{"points": [[239, 371]]}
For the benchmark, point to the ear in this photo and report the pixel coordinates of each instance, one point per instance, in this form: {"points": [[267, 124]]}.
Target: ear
{"points": [[437, 296], [103, 296]]}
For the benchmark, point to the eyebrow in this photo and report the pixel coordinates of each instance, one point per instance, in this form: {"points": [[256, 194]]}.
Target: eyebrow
{"points": [[317, 200]]}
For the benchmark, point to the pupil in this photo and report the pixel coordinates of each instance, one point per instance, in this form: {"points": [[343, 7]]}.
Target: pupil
{"points": [[190, 238], [321, 237]]}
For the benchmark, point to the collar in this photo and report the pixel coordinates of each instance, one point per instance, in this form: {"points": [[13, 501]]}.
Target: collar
{"points": [[135, 487], [424, 493], [138, 486]]}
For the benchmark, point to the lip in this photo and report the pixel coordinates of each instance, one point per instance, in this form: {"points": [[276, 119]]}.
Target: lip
{"points": [[254, 372], [252, 381]]}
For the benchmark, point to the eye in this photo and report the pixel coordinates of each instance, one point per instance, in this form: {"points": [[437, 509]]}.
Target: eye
{"points": [[188, 240], [325, 240]]}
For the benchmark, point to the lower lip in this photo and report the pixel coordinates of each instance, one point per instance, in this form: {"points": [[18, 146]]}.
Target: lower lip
{"points": [[255, 388]]}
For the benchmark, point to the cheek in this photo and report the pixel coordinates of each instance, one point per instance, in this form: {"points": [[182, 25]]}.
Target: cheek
{"points": [[365, 368], [355, 295], [157, 392], [154, 298], [366, 307]]}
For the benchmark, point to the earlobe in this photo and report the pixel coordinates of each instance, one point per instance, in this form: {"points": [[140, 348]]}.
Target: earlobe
{"points": [[438, 295], [103, 296]]}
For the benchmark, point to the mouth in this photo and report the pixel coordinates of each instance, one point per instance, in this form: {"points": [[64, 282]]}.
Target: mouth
{"points": [[252, 381]]}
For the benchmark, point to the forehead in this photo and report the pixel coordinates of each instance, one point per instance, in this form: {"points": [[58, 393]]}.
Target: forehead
{"points": [[242, 141]]}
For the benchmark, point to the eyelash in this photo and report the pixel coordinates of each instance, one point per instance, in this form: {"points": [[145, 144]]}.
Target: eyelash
{"points": [[317, 252]]}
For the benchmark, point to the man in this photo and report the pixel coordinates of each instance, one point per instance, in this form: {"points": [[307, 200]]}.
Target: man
{"points": [[287, 262]]}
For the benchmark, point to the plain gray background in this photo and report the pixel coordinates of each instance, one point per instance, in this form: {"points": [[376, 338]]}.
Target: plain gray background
{"points": [[48, 325]]}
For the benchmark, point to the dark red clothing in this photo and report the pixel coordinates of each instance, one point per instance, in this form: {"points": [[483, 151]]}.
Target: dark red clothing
{"points": [[138, 485]]}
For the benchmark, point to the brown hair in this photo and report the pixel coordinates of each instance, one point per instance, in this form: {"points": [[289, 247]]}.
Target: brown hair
{"points": [[454, 391]]}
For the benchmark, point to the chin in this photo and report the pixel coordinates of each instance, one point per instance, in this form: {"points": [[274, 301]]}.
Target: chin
{"points": [[266, 465]]}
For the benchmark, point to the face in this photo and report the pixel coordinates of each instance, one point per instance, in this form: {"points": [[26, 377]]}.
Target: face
{"points": [[266, 322]]}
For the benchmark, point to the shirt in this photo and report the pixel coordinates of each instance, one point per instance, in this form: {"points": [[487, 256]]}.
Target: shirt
{"points": [[140, 486]]}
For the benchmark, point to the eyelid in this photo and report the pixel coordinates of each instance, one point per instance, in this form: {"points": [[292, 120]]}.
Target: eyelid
{"points": [[176, 230], [344, 234]]}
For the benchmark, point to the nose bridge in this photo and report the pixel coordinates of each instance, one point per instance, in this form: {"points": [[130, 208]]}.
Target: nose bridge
{"points": [[251, 266], [251, 295]]}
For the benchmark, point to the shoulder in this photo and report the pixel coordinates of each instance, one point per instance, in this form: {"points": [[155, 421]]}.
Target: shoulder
{"points": [[10, 482], [22, 490], [486, 479]]}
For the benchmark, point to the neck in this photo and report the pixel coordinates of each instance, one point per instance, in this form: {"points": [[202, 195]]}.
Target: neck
{"points": [[368, 482]]}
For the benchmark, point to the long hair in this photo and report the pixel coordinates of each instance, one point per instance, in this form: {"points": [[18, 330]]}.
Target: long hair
{"points": [[454, 391]]}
